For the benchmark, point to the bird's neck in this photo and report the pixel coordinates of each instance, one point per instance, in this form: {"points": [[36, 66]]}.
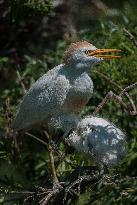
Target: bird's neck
{"points": [[73, 71]]}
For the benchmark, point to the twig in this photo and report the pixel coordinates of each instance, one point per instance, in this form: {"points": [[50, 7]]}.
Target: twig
{"points": [[38, 139], [79, 181], [21, 82], [130, 87], [9, 131], [104, 76], [131, 37], [68, 188], [60, 154], [20, 192], [119, 99], [50, 152], [50, 196], [14, 195], [110, 95], [45, 196]]}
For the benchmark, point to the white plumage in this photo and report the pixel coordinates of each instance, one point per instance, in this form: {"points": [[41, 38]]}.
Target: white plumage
{"points": [[62, 91], [100, 140], [58, 97]]}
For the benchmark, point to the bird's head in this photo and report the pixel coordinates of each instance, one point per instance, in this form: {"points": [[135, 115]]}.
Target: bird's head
{"points": [[83, 55]]}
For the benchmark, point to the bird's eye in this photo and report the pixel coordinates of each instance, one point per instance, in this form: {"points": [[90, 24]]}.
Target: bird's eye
{"points": [[87, 52]]}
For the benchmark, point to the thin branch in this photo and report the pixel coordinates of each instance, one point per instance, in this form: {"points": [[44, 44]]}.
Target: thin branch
{"points": [[130, 87], [38, 139], [131, 37], [104, 76], [68, 188], [81, 179], [60, 154], [9, 131], [119, 99], [21, 82], [72, 185], [20, 192], [110, 95], [50, 196], [50, 152]]}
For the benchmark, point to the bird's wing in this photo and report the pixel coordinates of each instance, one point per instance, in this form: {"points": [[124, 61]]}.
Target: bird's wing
{"points": [[44, 99]]}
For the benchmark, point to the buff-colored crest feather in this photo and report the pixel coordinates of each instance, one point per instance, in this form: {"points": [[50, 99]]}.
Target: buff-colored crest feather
{"points": [[72, 48]]}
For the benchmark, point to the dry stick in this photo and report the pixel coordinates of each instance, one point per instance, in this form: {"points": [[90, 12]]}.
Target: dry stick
{"points": [[119, 87], [9, 121], [128, 88], [58, 152], [134, 112], [21, 82], [50, 152], [78, 181], [131, 37], [38, 194], [14, 195], [20, 192], [56, 191], [104, 76], [110, 95], [36, 138], [52, 194]]}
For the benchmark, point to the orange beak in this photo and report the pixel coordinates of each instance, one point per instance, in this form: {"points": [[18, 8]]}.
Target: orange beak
{"points": [[99, 53]]}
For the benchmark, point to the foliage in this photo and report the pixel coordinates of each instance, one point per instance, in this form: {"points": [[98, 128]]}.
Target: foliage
{"points": [[24, 161], [22, 9]]}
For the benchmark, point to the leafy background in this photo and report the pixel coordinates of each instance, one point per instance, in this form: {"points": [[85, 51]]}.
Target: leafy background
{"points": [[34, 35]]}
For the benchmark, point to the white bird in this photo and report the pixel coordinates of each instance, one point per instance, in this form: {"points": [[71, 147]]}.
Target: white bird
{"points": [[62, 91], [100, 140]]}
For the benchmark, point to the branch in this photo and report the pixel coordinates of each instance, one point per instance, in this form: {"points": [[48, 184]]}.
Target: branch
{"points": [[104, 76], [131, 37], [119, 99], [21, 82], [60, 154], [130, 87], [38, 139]]}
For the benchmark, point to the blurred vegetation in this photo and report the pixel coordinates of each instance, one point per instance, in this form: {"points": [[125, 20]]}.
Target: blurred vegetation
{"points": [[33, 39]]}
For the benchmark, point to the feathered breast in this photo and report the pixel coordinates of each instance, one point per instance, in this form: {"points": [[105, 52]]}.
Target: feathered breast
{"points": [[79, 94]]}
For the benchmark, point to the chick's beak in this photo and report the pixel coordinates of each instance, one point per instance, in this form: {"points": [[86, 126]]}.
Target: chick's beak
{"points": [[100, 53]]}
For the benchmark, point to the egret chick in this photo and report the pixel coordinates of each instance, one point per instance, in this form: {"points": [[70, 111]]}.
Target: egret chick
{"points": [[100, 140]]}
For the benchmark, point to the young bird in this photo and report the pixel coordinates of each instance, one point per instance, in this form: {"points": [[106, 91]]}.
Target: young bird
{"points": [[100, 140], [62, 92]]}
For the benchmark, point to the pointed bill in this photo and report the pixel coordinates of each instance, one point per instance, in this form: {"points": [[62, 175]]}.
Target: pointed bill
{"points": [[104, 53]]}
